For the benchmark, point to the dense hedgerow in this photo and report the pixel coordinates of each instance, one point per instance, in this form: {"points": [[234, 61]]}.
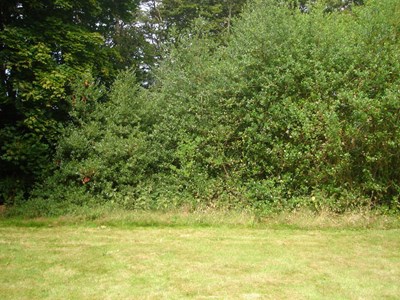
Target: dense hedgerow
{"points": [[297, 108]]}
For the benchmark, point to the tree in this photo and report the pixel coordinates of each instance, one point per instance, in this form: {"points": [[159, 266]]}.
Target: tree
{"points": [[45, 45], [160, 17], [219, 13]]}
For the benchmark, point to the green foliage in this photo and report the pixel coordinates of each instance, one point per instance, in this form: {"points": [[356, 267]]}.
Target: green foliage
{"points": [[164, 20], [294, 106], [297, 109], [46, 46], [103, 153], [219, 13]]}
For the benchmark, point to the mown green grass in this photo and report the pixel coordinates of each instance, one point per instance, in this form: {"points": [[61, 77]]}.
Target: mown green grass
{"points": [[174, 256]]}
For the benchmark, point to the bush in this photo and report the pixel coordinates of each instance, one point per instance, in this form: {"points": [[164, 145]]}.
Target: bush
{"points": [[103, 153], [299, 108], [296, 104]]}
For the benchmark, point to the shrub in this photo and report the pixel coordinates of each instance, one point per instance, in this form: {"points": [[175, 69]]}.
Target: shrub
{"points": [[298, 108]]}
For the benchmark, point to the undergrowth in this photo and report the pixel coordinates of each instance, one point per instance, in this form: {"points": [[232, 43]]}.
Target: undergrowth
{"points": [[113, 216]]}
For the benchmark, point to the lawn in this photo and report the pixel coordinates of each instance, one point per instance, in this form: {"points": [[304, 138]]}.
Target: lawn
{"points": [[48, 260]]}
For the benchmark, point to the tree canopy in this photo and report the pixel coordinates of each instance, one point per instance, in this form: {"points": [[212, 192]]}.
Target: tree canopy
{"points": [[297, 106], [46, 45]]}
